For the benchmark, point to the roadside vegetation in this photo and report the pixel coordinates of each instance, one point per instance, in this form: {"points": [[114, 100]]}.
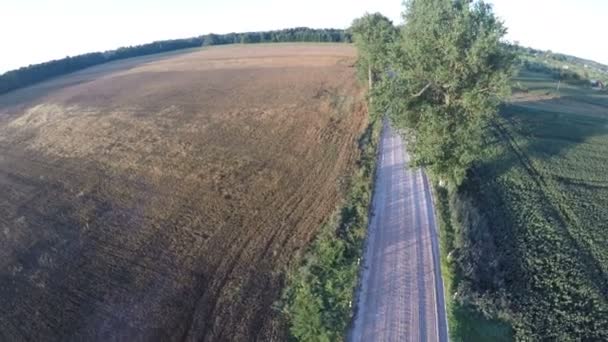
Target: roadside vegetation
{"points": [[319, 295], [450, 73], [520, 181], [540, 198], [441, 78], [32, 74], [319, 298]]}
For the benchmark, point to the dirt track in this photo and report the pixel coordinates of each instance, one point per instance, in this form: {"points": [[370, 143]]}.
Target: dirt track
{"points": [[401, 295], [160, 198]]}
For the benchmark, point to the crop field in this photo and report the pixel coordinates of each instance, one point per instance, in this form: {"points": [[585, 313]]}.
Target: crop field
{"points": [[163, 197], [536, 239]]}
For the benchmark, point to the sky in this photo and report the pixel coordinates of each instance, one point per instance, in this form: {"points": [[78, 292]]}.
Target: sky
{"points": [[34, 31], [574, 27]]}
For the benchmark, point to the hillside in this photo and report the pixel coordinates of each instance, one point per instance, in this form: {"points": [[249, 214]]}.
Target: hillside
{"points": [[161, 198], [584, 69], [530, 224]]}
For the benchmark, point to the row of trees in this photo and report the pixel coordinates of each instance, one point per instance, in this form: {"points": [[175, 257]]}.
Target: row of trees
{"points": [[441, 78], [29, 75], [559, 57], [298, 34], [560, 74]]}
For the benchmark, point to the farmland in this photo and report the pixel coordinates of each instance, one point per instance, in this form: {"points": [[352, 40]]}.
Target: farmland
{"points": [[531, 222], [163, 197]]}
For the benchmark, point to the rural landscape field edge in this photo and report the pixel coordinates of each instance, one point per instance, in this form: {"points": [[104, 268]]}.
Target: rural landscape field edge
{"points": [[317, 301], [464, 321]]}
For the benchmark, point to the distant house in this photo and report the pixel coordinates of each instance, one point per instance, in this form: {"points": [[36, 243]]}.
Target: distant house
{"points": [[597, 84]]}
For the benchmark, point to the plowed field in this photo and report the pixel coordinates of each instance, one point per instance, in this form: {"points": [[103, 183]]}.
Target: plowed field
{"points": [[161, 198]]}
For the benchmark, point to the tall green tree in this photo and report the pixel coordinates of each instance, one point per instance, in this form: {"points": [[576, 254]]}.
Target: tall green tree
{"points": [[450, 76], [374, 35]]}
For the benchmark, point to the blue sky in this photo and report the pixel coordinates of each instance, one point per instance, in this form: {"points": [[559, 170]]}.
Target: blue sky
{"points": [[33, 31]]}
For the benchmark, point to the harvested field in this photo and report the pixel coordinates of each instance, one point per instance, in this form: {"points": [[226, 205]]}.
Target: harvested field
{"points": [[161, 198]]}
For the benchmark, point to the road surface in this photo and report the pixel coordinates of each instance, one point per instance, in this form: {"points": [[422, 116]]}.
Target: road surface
{"points": [[401, 293]]}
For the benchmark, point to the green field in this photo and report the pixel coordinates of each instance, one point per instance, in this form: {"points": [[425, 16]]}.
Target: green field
{"points": [[530, 224]]}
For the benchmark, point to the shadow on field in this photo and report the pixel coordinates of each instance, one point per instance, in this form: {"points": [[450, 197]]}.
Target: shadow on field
{"points": [[529, 138], [540, 130]]}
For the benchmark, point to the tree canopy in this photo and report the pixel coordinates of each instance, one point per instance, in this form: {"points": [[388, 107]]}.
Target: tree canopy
{"points": [[450, 75], [374, 35]]}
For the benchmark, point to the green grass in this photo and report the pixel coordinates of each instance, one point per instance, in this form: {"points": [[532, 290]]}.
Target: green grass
{"points": [[317, 300], [465, 322], [588, 73], [530, 225]]}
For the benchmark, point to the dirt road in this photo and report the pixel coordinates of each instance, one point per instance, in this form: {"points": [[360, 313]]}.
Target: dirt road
{"points": [[401, 295]]}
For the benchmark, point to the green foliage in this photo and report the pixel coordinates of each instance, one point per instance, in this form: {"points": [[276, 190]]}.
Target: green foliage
{"points": [[530, 223], [318, 296], [466, 322], [374, 36], [559, 74], [552, 63], [211, 39], [450, 76], [32, 74]]}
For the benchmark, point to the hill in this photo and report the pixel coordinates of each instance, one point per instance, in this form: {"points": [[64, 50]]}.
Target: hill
{"points": [[162, 197], [566, 66]]}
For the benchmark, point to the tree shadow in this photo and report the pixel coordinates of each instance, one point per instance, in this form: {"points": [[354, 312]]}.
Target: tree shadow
{"points": [[530, 136]]}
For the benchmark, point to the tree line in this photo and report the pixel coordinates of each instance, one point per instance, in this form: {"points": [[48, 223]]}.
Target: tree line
{"points": [[441, 79], [561, 74], [35, 73], [298, 34]]}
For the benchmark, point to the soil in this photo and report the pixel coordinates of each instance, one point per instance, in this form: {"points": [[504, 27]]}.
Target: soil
{"points": [[162, 198]]}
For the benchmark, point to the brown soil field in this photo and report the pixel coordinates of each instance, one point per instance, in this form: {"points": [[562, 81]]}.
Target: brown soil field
{"points": [[162, 198]]}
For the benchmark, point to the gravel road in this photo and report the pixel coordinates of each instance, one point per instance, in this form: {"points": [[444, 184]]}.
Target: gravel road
{"points": [[401, 293]]}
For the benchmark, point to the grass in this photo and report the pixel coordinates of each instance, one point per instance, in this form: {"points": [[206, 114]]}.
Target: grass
{"points": [[318, 297], [464, 322], [589, 72], [529, 228]]}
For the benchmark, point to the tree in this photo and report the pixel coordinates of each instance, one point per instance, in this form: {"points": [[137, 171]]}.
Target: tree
{"points": [[450, 76], [373, 35], [211, 39]]}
